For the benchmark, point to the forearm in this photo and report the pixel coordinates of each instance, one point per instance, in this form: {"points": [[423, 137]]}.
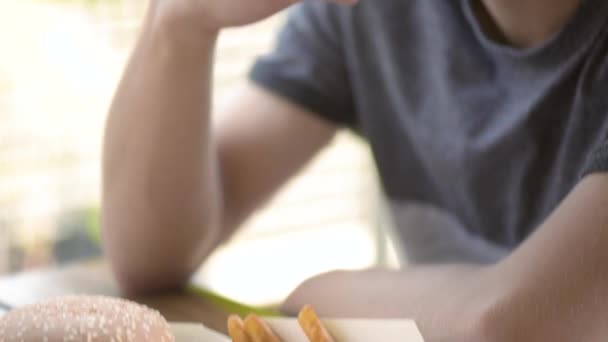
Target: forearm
{"points": [[517, 300], [160, 189], [448, 302], [553, 288]]}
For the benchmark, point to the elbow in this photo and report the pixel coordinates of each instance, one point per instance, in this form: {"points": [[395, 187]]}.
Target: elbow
{"points": [[485, 312], [137, 281], [140, 273], [144, 262], [146, 257], [485, 327], [498, 318]]}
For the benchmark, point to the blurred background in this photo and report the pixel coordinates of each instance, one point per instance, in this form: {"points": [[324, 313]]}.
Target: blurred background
{"points": [[60, 61]]}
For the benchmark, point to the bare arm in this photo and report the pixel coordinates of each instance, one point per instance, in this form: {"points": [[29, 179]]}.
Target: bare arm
{"points": [[558, 280], [173, 186], [553, 288], [261, 141]]}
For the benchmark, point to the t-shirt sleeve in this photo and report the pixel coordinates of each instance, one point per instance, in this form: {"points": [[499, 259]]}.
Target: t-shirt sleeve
{"points": [[307, 66], [597, 160]]}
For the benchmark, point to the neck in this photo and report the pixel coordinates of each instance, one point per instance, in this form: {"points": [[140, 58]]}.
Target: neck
{"points": [[524, 23]]}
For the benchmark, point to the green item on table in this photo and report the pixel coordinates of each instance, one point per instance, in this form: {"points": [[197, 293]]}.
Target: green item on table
{"points": [[230, 305]]}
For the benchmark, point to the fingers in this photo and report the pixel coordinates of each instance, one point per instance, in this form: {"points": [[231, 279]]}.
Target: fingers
{"points": [[236, 329], [258, 331], [312, 326]]}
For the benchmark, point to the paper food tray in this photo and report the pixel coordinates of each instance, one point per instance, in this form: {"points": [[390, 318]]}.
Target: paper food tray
{"points": [[343, 330]]}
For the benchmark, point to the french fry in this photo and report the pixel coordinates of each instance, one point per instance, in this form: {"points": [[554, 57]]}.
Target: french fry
{"points": [[312, 326], [236, 329], [258, 330]]}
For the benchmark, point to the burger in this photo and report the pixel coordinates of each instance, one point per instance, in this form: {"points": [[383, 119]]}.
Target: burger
{"points": [[84, 318]]}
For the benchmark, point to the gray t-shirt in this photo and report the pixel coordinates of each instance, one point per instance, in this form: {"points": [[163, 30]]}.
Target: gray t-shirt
{"points": [[476, 142]]}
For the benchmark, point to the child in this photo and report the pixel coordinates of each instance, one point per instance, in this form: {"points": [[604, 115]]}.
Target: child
{"points": [[488, 120]]}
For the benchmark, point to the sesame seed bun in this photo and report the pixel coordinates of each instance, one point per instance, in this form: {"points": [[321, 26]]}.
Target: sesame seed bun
{"points": [[84, 318]]}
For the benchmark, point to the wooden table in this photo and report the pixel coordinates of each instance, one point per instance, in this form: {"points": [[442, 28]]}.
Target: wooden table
{"points": [[95, 278]]}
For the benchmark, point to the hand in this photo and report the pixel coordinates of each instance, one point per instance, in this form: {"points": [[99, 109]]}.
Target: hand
{"points": [[213, 15]]}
